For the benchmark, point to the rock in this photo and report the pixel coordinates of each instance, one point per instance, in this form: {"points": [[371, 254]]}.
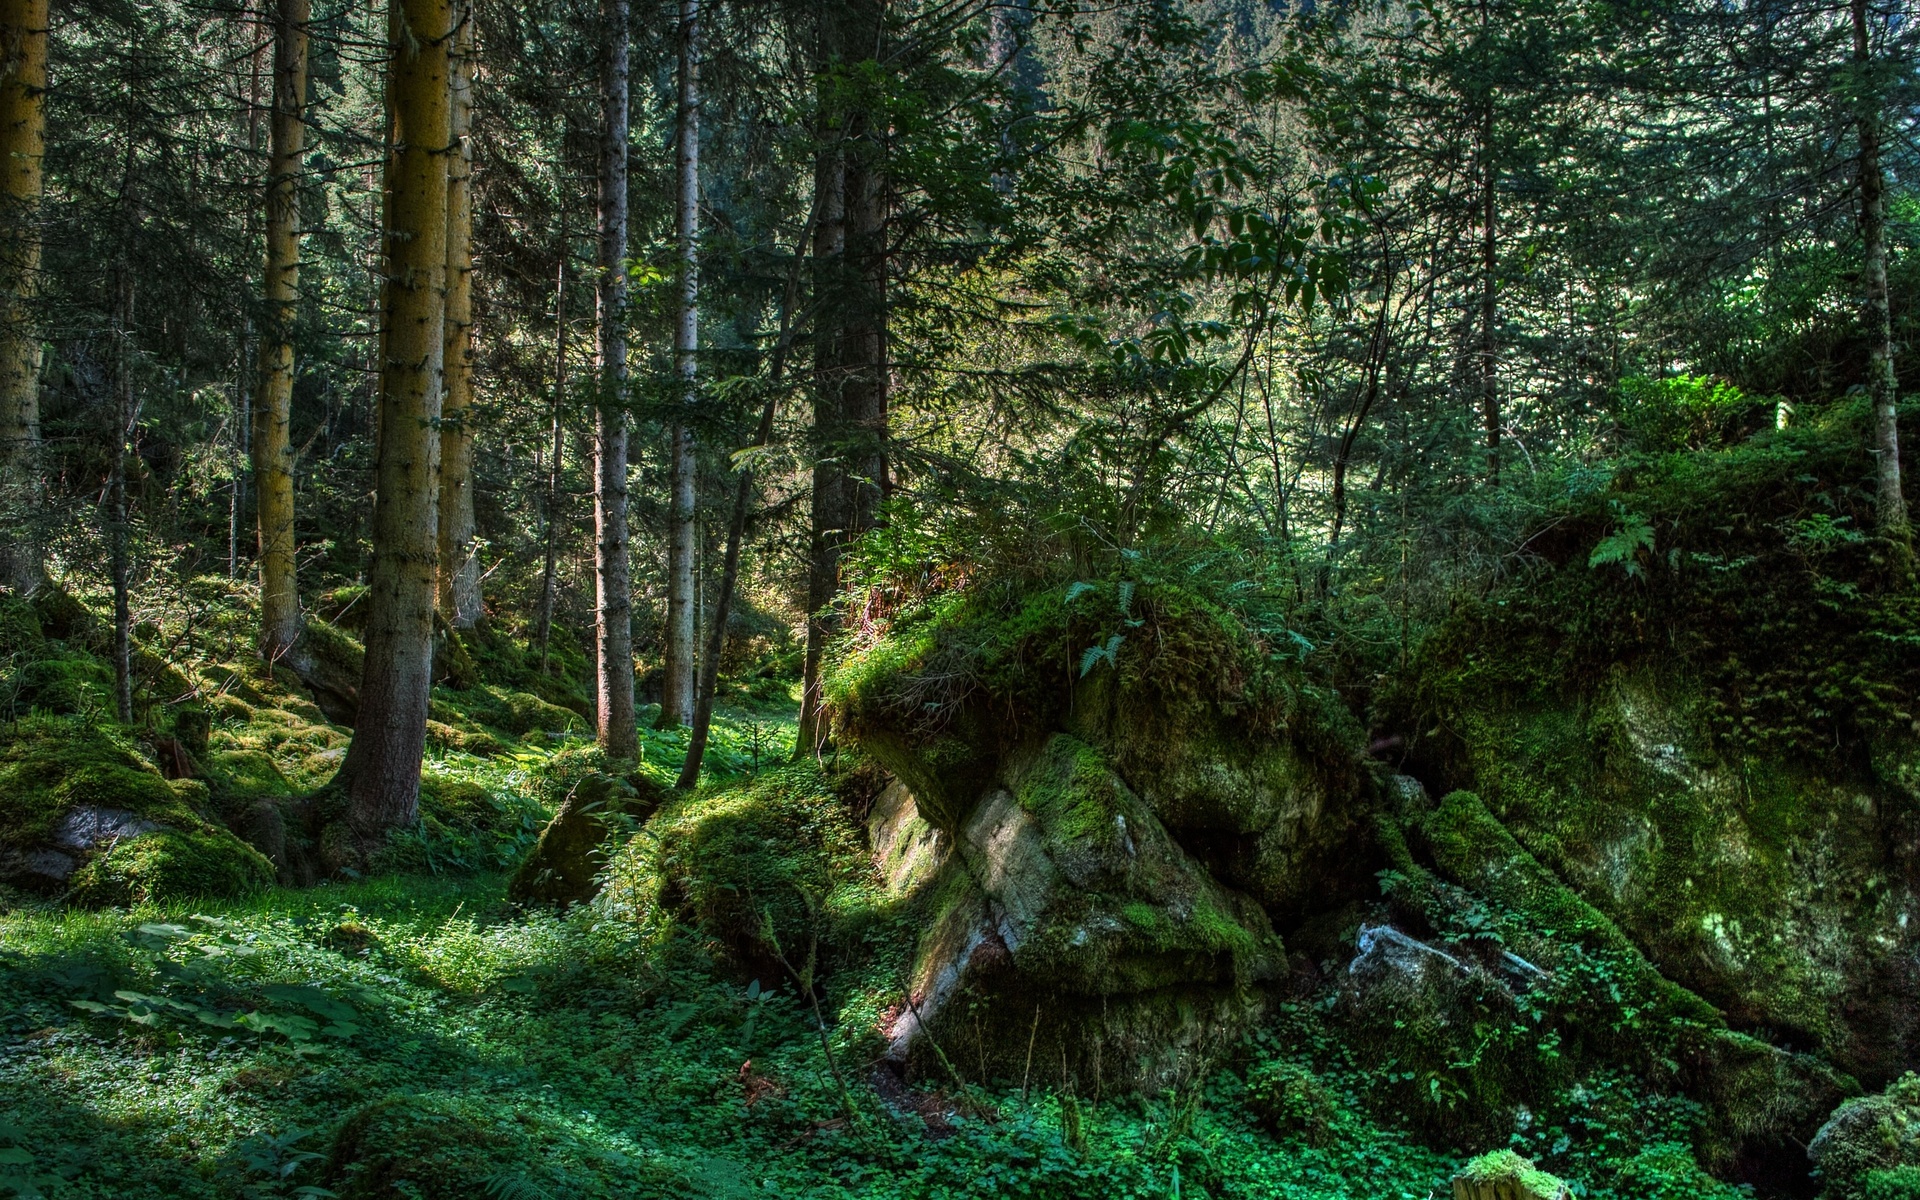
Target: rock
{"points": [[1504, 1175], [1871, 1134], [1067, 924], [81, 812], [564, 866]]}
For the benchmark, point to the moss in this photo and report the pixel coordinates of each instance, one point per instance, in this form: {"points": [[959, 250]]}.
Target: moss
{"points": [[761, 869], [172, 864], [1879, 1133], [1897, 1183], [437, 1146], [1505, 1175]]}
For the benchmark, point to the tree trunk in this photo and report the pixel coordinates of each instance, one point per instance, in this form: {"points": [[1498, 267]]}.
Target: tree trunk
{"points": [[1489, 261], [613, 578], [119, 564], [851, 371], [549, 578], [272, 449], [677, 690], [459, 567], [382, 771], [1882, 386], [829, 477], [23, 88]]}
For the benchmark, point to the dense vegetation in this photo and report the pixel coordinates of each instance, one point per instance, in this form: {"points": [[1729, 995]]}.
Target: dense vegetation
{"points": [[990, 598]]}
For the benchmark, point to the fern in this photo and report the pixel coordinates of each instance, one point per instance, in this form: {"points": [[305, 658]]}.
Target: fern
{"points": [[1096, 653], [513, 1185], [1623, 545]]}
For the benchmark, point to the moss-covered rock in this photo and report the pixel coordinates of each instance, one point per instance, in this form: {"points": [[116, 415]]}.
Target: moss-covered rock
{"points": [[82, 813], [565, 866], [771, 873], [1870, 1136]]}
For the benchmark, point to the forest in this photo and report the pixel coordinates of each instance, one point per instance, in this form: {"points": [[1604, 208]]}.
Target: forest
{"points": [[910, 599]]}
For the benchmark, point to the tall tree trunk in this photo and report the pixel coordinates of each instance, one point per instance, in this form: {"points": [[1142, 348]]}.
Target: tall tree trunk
{"points": [[382, 771], [459, 566], [119, 556], [829, 516], [613, 578], [272, 446], [677, 689], [1489, 296], [23, 89], [549, 571], [851, 369], [1882, 386]]}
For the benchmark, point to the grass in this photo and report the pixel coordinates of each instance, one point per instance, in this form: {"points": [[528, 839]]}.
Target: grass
{"points": [[482, 1051]]}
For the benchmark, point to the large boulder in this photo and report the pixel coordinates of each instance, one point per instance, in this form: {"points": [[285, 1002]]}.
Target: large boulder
{"points": [[83, 815], [1866, 1137], [1068, 928]]}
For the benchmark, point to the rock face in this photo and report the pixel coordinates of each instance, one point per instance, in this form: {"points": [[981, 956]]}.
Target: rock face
{"points": [[1068, 928], [1782, 893]]}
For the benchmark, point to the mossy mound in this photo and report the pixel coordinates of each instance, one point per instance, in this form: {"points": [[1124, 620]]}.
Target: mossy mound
{"points": [[566, 864], [1504, 1175], [772, 873], [1252, 766], [1700, 712], [1871, 1145], [82, 812]]}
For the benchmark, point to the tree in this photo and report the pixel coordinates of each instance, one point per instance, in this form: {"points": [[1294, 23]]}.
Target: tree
{"points": [[272, 448], [460, 600], [1883, 389], [382, 770], [613, 577], [851, 373], [23, 87], [677, 691]]}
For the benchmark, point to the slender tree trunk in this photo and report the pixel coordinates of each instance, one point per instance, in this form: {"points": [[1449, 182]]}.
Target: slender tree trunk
{"points": [[1882, 386], [677, 690], [614, 582], [119, 557], [459, 565], [549, 576], [382, 771], [829, 515], [23, 89], [272, 446], [1489, 296], [869, 374]]}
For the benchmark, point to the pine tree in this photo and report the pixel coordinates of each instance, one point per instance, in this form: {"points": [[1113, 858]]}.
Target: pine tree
{"points": [[23, 86], [613, 576]]}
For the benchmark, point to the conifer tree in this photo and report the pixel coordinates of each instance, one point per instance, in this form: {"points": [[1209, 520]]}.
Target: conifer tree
{"points": [[382, 770], [272, 449], [23, 86], [677, 689], [459, 566], [613, 576]]}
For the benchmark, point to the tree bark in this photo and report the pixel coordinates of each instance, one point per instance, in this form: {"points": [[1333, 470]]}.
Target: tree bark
{"points": [[119, 556], [272, 450], [613, 578], [828, 519], [1883, 389], [1489, 297], [23, 89], [851, 373], [382, 771], [549, 571], [459, 566], [677, 689]]}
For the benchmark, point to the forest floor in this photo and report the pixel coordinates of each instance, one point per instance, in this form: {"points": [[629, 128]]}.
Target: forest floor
{"points": [[414, 1034]]}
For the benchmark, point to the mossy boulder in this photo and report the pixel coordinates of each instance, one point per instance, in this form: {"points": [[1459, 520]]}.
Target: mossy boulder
{"points": [[566, 864], [1063, 917], [447, 1146], [1713, 745], [1868, 1141], [770, 873], [82, 813]]}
